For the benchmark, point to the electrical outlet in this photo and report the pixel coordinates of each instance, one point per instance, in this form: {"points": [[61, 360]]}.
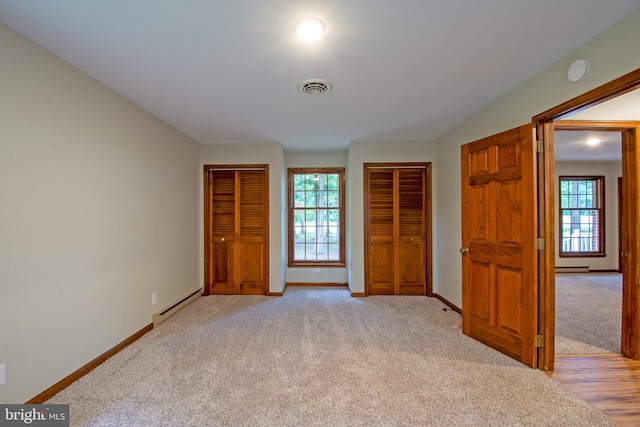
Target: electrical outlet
{"points": [[316, 270], [2, 377], [154, 298]]}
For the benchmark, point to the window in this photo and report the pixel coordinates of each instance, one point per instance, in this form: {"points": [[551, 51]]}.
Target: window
{"points": [[581, 216], [316, 217]]}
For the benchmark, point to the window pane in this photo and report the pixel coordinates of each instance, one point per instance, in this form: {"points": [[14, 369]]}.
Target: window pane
{"points": [[588, 201], [323, 253], [299, 252], [310, 199], [314, 233], [333, 182], [321, 221], [333, 199], [321, 181], [310, 251], [573, 187], [334, 234], [582, 187], [580, 215], [310, 218], [300, 237], [310, 182], [322, 199], [573, 201]]}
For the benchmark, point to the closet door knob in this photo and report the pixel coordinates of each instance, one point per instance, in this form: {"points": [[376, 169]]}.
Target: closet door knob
{"points": [[464, 251]]}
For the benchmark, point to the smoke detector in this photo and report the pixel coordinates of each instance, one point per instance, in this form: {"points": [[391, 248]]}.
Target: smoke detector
{"points": [[314, 87]]}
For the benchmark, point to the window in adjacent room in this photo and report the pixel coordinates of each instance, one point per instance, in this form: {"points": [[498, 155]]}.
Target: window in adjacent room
{"points": [[581, 216], [316, 217]]}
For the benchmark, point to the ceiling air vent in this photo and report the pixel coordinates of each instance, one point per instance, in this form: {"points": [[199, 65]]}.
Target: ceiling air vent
{"points": [[314, 87]]}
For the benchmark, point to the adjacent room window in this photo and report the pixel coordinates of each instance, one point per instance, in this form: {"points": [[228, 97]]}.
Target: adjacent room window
{"points": [[581, 216], [316, 217]]}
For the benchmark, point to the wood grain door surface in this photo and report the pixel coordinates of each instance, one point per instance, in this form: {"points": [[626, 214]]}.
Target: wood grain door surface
{"points": [[237, 217], [396, 216], [499, 228]]}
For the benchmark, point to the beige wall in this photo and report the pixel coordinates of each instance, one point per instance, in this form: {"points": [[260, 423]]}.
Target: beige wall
{"points": [[611, 54], [271, 154], [305, 159], [611, 171], [98, 210]]}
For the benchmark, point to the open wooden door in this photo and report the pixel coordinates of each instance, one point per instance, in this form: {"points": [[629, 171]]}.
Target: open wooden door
{"points": [[499, 230], [630, 245]]}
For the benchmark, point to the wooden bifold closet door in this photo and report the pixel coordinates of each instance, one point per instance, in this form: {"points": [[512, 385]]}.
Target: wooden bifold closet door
{"points": [[235, 230], [397, 229]]}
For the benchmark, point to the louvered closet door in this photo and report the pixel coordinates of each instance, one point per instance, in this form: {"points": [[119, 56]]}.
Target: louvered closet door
{"points": [[222, 193], [237, 228], [380, 267], [411, 232], [252, 231], [396, 231]]}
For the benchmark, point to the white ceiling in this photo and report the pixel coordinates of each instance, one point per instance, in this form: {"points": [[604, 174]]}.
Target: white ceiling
{"points": [[571, 145], [228, 71]]}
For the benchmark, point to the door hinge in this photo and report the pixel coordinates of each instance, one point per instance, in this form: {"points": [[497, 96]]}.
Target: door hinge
{"points": [[539, 340], [539, 146], [540, 244]]}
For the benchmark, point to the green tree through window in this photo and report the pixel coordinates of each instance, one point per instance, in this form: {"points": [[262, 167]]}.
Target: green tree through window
{"points": [[316, 216]]}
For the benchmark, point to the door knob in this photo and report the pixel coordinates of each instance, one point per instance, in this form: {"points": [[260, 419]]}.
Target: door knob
{"points": [[222, 239], [464, 251], [623, 254]]}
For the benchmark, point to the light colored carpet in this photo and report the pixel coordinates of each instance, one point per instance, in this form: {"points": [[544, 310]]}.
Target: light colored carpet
{"points": [[317, 357], [588, 313]]}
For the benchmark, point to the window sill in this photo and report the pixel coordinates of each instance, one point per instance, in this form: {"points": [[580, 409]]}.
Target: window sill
{"points": [[581, 255], [316, 265]]}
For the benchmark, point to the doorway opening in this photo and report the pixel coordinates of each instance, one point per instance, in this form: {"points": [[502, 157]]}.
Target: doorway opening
{"points": [[546, 124], [588, 283]]}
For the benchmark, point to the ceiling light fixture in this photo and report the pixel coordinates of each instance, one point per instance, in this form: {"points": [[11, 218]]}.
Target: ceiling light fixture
{"points": [[309, 29], [593, 141]]}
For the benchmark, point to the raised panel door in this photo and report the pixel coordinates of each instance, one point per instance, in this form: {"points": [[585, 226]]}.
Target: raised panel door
{"points": [[499, 265]]}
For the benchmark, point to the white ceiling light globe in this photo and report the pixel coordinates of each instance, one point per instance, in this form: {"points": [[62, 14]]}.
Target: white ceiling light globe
{"points": [[309, 29]]}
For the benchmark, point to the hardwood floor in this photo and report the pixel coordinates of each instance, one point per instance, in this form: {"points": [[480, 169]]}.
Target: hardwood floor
{"points": [[608, 382]]}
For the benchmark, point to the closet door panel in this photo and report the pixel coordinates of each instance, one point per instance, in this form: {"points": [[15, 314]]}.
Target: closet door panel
{"points": [[381, 266], [380, 239], [251, 267], [412, 268], [222, 187], [252, 230], [411, 218]]}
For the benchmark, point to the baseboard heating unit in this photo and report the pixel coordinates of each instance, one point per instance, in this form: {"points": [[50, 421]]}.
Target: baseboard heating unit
{"points": [[176, 306], [581, 269]]}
